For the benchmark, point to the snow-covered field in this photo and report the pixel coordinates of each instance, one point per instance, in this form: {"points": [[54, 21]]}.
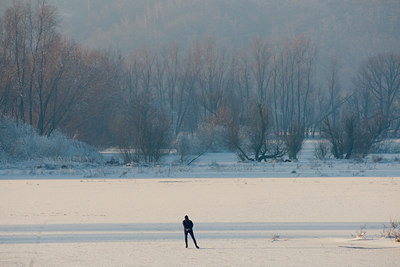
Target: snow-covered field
{"points": [[305, 213]]}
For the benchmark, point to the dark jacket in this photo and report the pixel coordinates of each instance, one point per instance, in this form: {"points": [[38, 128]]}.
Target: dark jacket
{"points": [[187, 225]]}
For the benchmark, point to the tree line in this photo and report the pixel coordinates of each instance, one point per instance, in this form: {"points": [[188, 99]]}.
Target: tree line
{"points": [[260, 100]]}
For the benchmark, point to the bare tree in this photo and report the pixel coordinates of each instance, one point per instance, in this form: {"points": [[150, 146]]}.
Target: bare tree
{"points": [[92, 118], [16, 24], [150, 129], [60, 86], [305, 53], [173, 69], [262, 142], [294, 139], [255, 140], [8, 96], [334, 134], [261, 53], [293, 83], [244, 84], [186, 105], [369, 133], [145, 123], [333, 86], [212, 77], [43, 66], [378, 86], [352, 136], [159, 79]]}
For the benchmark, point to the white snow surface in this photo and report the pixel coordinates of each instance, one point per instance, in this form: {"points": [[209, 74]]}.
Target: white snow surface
{"points": [[305, 213], [211, 165]]}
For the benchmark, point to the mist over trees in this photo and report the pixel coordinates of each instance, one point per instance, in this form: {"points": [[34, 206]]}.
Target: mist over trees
{"points": [[352, 30], [258, 97]]}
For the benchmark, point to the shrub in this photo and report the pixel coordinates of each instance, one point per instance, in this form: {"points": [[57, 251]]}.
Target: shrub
{"points": [[352, 136], [377, 159], [21, 143], [386, 146], [187, 146], [321, 149]]}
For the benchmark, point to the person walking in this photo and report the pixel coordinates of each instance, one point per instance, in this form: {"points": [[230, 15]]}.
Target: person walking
{"points": [[188, 228]]}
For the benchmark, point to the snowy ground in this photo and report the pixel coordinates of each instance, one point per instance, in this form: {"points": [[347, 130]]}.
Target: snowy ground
{"points": [[305, 213], [212, 165]]}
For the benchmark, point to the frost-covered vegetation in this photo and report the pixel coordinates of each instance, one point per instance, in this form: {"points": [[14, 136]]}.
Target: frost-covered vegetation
{"points": [[389, 146], [22, 143]]}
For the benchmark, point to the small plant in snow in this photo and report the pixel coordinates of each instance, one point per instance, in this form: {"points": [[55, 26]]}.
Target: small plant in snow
{"points": [[361, 233], [393, 231], [215, 166], [275, 238], [376, 158]]}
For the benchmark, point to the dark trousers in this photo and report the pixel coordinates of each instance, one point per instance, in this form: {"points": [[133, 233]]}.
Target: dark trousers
{"points": [[192, 235]]}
